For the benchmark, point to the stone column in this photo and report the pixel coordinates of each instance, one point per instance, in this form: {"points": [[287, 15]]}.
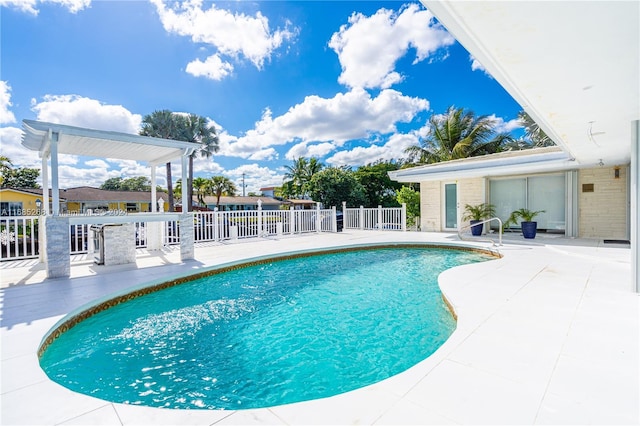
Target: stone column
{"points": [[58, 247], [186, 237]]}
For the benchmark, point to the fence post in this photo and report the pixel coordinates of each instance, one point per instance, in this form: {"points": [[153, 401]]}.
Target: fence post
{"points": [[318, 219], [216, 224], [345, 221], [380, 220], [403, 217], [361, 217], [334, 219], [292, 221], [259, 218]]}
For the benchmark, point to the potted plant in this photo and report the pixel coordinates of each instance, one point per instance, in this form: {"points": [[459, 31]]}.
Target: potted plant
{"points": [[528, 225], [476, 213]]}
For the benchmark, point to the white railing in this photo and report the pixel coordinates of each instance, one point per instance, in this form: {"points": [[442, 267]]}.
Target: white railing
{"points": [[19, 234], [380, 218], [18, 237], [218, 226]]}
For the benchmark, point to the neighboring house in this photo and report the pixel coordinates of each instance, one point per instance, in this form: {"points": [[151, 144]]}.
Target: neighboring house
{"points": [[243, 203], [21, 201], [268, 191], [591, 202], [302, 204], [79, 200]]}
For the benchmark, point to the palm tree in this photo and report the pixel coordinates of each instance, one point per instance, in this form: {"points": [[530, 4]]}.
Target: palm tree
{"points": [[197, 129], [300, 174], [202, 188], [220, 185], [5, 167], [162, 124], [457, 134], [532, 131]]}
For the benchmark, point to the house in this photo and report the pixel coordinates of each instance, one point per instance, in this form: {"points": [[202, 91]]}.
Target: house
{"points": [[268, 191], [21, 201], [573, 67], [78, 200], [243, 203], [589, 202]]}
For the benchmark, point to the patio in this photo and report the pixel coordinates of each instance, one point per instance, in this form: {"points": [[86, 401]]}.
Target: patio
{"points": [[546, 335]]}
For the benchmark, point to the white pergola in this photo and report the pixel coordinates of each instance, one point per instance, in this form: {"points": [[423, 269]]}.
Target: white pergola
{"points": [[50, 140]]}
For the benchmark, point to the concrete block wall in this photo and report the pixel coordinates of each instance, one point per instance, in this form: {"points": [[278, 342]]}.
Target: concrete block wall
{"points": [[430, 208], [603, 212], [119, 244], [58, 247], [470, 191]]}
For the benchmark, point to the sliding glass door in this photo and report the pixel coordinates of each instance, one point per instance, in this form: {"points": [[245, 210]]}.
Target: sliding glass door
{"points": [[536, 193]]}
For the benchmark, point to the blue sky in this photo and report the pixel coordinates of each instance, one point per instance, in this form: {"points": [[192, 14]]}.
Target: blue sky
{"points": [[349, 82]]}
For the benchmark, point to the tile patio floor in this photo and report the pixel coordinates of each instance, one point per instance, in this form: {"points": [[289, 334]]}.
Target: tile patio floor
{"points": [[549, 334]]}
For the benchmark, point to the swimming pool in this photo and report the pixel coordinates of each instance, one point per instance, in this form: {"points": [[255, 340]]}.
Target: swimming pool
{"points": [[266, 334]]}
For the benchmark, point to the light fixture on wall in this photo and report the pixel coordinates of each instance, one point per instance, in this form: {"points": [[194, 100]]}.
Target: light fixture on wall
{"points": [[600, 163], [616, 172]]}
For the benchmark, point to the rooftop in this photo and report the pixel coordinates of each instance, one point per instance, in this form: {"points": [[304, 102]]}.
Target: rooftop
{"points": [[547, 334]]}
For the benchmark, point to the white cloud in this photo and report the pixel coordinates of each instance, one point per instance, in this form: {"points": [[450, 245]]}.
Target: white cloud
{"points": [[502, 126], [231, 34], [31, 6], [78, 111], [477, 66], [6, 116], [369, 46], [304, 149], [255, 177], [346, 116], [212, 68], [361, 155]]}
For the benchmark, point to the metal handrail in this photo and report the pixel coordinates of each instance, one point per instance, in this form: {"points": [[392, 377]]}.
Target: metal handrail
{"points": [[481, 223]]}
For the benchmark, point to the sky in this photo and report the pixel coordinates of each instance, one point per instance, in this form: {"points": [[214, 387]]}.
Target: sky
{"points": [[348, 82]]}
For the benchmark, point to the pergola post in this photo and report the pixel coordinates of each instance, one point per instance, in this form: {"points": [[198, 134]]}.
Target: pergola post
{"points": [[186, 219], [154, 201], [55, 186]]}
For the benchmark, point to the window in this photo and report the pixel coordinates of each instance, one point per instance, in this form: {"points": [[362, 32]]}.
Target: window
{"points": [[10, 209], [546, 192]]}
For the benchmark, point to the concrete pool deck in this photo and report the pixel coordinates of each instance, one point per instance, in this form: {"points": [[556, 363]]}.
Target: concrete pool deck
{"points": [[548, 334]]}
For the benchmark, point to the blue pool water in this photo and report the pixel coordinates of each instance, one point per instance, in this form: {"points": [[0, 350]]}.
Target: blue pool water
{"points": [[266, 334]]}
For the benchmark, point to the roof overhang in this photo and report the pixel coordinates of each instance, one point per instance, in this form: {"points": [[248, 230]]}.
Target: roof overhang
{"points": [[572, 65], [37, 136], [541, 160]]}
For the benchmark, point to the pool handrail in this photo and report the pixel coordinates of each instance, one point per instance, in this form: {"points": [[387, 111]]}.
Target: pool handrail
{"points": [[488, 240]]}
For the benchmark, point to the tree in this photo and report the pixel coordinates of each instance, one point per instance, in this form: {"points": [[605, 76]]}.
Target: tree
{"points": [[412, 199], [457, 134], [163, 124], [379, 189], [533, 132], [22, 177], [299, 176], [197, 129], [333, 185], [220, 185], [139, 183], [203, 188]]}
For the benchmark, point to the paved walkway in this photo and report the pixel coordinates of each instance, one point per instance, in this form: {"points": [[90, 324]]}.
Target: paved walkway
{"points": [[548, 334]]}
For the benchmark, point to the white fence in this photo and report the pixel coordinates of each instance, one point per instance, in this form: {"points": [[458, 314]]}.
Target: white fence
{"points": [[380, 218], [18, 237], [19, 234]]}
